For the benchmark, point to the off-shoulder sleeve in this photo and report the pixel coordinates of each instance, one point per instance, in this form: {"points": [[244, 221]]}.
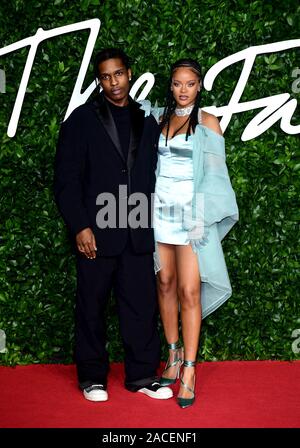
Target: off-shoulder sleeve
{"points": [[155, 110], [220, 204], [219, 212], [214, 199], [145, 105]]}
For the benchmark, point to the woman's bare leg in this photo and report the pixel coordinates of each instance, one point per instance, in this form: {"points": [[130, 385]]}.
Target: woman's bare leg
{"points": [[188, 289], [168, 300]]}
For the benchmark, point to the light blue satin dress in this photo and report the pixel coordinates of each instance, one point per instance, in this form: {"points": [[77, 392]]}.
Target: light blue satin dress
{"points": [[174, 189], [185, 170]]}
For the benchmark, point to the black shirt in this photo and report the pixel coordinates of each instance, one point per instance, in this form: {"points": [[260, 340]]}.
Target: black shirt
{"points": [[121, 116]]}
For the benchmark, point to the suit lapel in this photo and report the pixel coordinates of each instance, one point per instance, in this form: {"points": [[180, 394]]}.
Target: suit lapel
{"points": [[137, 125], [105, 116]]}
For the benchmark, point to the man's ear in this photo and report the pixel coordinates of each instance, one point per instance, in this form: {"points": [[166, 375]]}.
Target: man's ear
{"points": [[129, 74]]}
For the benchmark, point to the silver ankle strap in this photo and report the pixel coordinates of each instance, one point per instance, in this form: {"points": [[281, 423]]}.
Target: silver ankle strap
{"points": [[189, 363], [174, 346]]}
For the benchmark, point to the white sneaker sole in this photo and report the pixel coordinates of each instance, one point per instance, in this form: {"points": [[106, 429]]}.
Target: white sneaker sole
{"points": [[163, 394], [96, 395]]}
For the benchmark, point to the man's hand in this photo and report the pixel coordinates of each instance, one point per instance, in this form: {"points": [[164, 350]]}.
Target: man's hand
{"points": [[86, 242]]}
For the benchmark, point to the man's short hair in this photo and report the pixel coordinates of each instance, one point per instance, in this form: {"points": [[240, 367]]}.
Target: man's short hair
{"points": [[110, 53]]}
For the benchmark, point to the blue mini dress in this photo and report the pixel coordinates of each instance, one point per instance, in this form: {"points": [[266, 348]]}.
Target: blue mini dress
{"points": [[174, 189], [192, 187]]}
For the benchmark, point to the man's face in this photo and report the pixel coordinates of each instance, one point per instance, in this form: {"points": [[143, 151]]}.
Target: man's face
{"points": [[114, 79]]}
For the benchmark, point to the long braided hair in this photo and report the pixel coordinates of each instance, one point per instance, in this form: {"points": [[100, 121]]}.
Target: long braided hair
{"points": [[171, 103]]}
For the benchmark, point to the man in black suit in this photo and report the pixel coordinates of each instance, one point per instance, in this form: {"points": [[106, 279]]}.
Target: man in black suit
{"points": [[106, 152]]}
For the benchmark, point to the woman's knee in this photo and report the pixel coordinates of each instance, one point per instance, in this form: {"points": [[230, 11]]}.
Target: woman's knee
{"points": [[189, 296], [166, 284]]}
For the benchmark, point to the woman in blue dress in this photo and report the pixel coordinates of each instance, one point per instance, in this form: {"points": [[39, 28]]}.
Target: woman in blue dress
{"points": [[194, 208]]}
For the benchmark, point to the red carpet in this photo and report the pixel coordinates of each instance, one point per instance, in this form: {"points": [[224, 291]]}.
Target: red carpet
{"points": [[231, 394]]}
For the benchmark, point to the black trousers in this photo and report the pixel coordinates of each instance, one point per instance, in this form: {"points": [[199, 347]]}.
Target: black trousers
{"points": [[133, 280]]}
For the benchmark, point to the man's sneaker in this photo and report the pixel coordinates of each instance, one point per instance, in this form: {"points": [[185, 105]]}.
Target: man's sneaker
{"points": [[155, 390], [95, 392]]}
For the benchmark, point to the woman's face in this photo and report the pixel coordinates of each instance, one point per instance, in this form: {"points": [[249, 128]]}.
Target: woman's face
{"points": [[185, 86]]}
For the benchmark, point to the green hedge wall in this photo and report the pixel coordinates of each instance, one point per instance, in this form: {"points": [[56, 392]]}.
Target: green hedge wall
{"points": [[37, 269]]}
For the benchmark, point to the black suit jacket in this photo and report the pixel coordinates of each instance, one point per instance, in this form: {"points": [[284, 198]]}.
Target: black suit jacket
{"points": [[89, 161]]}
